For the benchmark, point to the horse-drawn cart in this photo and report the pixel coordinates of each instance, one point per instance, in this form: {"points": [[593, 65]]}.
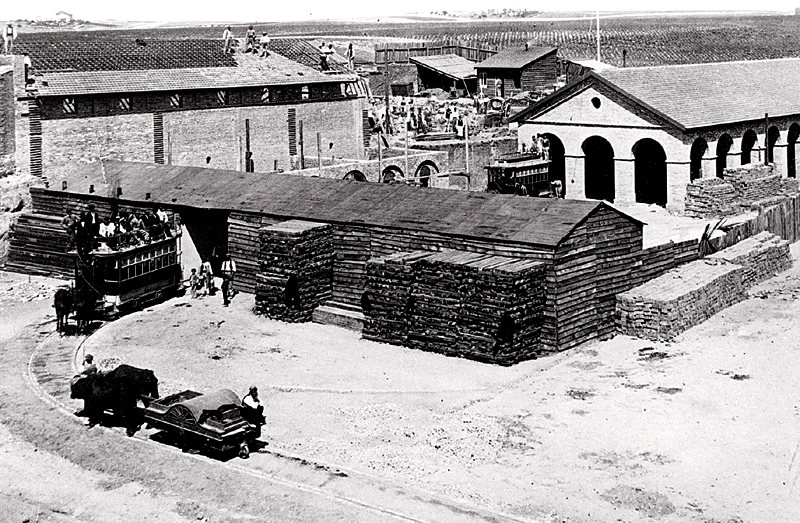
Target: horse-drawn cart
{"points": [[205, 421]]}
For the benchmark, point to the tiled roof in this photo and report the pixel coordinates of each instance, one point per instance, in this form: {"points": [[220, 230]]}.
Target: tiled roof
{"points": [[273, 70], [450, 65], [515, 58], [122, 55], [701, 95], [504, 218], [302, 51]]}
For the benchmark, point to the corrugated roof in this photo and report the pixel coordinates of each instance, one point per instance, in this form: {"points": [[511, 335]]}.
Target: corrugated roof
{"points": [[701, 95], [450, 65], [515, 58], [537, 221], [273, 70]]}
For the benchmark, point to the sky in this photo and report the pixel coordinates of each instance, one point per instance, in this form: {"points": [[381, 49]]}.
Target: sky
{"points": [[266, 11]]}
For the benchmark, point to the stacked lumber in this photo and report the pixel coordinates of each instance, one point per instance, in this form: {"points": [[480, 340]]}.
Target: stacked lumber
{"points": [[477, 306], [388, 291], [502, 307], [39, 245], [709, 197], [244, 247], [352, 246], [664, 307], [296, 269], [762, 256]]}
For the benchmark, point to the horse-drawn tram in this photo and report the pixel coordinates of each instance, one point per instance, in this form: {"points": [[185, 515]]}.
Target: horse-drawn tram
{"points": [[132, 275], [521, 174], [204, 421]]}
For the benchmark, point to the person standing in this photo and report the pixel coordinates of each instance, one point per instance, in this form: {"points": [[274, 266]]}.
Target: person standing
{"points": [[264, 42], [207, 274], [250, 37], [350, 56], [9, 35], [227, 36], [228, 268], [194, 281]]}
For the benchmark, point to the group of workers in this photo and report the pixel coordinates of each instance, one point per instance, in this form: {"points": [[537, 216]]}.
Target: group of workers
{"points": [[540, 146], [121, 230], [258, 45], [202, 283]]}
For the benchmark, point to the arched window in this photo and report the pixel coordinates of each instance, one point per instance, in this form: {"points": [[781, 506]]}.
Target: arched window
{"points": [[773, 137], [699, 148], [392, 174], [355, 175], [424, 172], [748, 141], [724, 145], [791, 150], [557, 169], [650, 172], [598, 168]]}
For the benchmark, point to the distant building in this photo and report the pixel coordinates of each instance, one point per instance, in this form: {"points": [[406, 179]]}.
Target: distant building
{"points": [[63, 16], [512, 71], [448, 72]]}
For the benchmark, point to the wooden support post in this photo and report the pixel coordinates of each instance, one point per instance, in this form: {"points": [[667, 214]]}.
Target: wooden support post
{"points": [[319, 154], [386, 90], [302, 155]]}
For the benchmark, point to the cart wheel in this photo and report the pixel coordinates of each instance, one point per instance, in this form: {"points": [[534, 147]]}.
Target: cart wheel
{"points": [[244, 450]]}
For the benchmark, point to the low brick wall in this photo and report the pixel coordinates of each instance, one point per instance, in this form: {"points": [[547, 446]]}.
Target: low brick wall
{"points": [[762, 257], [666, 306]]}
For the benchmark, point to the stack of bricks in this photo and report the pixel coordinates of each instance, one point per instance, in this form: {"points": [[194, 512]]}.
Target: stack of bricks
{"points": [[684, 297], [710, 197], [387, 307], [477, 306], [664, 307], [762, 256], [296, 270]]}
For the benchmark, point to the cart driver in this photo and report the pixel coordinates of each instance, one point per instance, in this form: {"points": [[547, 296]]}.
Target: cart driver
{"points": [[88, 365], [252, 409]]}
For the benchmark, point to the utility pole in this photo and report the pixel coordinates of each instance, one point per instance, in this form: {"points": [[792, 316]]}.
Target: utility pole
{"points": [[319, 155], [386, 86], [598, 35], [466, 142], [302, 155], [766, 139]]}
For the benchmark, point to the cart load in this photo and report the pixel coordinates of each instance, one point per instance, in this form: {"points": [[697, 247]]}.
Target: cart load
{"points": [[207, 421]]}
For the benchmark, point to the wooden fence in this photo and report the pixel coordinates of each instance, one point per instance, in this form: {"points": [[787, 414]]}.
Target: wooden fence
{"points": [[402, 53]]}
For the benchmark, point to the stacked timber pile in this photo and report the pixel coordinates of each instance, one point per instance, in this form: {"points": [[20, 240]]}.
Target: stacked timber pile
{"points": [[296, 270], [477, 306], [762, 256], [244, 247], [352, 246], [710, 197], [387, 306], [753, 182], [39, 245], [502, 307], [664, 307]]}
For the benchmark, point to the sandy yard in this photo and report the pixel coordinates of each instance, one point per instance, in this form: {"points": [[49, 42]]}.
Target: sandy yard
{"points": [[704, 429]]}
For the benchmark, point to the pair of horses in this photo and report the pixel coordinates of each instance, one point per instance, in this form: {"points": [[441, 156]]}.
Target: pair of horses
{"points": [[80, 302], [118, 390]]}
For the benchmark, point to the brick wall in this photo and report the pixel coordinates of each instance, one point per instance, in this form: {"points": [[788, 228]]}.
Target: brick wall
{"points": [[481, 153], [192, 136], [66, 144]]}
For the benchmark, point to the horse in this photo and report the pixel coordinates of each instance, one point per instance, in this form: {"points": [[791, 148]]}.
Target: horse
{"points": [[81, 302], [117, 390]]}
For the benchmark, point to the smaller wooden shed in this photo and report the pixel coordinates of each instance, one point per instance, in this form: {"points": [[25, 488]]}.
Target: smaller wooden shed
{"points": [[446, 72], [512, 71]]}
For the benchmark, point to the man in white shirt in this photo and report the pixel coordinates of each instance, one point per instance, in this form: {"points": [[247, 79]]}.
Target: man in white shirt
{"points": [[227, 36], [9, 35], [252, 409]]}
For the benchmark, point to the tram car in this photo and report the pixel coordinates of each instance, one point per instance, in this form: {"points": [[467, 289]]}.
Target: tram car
{"points": [[521, 174], [127, 277]]}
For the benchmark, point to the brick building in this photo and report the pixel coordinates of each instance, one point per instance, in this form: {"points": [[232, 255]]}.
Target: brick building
{"points": [[186, 102], [512, 71], [643, 134]]}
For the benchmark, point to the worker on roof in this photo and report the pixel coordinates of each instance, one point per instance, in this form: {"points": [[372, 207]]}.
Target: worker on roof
{"points": [[264, 42], [250, 37], [9, 35], [227, 37]]}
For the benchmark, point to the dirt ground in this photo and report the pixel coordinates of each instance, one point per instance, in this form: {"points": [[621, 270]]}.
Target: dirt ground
{"points": [[703, 429]]}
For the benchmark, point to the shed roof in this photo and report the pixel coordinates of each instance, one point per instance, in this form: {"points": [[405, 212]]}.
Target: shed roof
{"points": [[450, 65], [697, 95], [504, 218], [275, 70], [515, 58]]}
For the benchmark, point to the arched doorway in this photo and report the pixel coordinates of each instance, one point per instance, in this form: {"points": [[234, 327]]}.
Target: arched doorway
{"points": [[424, 172], [650, 172], [791, 150], [557, 169], [598, 168], [773, 136], [724, 145], [392, 174], [699, 148], [748, 141], [355, 175]]}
